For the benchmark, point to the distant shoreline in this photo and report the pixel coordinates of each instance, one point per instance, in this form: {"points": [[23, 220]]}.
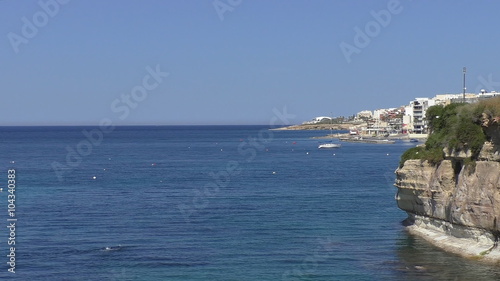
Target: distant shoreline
{"points": [[306, 127]]}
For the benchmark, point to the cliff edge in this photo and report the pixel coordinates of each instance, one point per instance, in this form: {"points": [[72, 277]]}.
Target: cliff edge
{"points": [[451, 191]]}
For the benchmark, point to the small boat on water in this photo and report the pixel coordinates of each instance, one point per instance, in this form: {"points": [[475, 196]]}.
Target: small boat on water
{"points": [[329, 145]]}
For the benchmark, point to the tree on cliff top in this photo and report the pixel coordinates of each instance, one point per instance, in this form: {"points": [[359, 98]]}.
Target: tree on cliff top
{"points": [[455, 127]]}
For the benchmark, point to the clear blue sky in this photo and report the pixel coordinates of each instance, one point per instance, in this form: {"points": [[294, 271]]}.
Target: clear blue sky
{"points": [[234, 67]]}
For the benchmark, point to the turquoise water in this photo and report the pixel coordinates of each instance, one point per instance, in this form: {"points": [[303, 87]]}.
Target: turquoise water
{"points": [[211, 203]]}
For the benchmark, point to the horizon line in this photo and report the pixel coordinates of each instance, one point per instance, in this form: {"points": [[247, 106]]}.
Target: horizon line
{"points": [[142, 125]]}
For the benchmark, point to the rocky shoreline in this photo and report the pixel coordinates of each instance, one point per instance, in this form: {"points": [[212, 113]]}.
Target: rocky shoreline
{"points": [[468, 242]]}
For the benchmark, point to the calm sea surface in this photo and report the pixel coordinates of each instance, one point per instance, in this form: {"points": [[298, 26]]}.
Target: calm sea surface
{"points": [[209, 203]]}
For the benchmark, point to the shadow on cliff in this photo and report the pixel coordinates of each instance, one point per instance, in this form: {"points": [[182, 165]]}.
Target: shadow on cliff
{"points": [[493, 133], [407, 222]]}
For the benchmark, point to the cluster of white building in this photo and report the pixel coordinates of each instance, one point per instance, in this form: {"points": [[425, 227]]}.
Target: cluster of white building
{"points": [[410, 119]]}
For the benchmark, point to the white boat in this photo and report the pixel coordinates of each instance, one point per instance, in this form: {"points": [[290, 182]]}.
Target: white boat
{"points": [[329, 145]]}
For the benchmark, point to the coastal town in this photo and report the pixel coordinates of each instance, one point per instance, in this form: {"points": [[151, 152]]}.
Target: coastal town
{"points": [[406, 121]]}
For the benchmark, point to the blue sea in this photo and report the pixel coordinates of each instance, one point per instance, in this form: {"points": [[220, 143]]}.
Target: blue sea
{"points": [[208, 203]]}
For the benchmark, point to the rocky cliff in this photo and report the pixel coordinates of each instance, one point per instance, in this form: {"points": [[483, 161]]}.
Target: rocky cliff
{"points": [[455, 204]]}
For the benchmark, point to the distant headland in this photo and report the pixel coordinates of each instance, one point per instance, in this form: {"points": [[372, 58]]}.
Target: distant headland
{"points": [[407, 120]]}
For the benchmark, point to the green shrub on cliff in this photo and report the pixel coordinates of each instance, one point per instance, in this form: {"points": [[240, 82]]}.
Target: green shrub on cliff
{"points": [[455, 127], [490, 107], [412, 153], [469, 135], [443, 122], [434, 156]]}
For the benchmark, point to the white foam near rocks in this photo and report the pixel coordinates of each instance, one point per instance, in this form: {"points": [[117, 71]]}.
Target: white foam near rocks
{"points": [[462, 240]]}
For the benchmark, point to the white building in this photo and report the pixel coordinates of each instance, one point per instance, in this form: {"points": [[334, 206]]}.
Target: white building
{"points": [[365, 114], [485, 95], [316, 120], [446, 99], [415, 115], [407, 119], [378, 113]]}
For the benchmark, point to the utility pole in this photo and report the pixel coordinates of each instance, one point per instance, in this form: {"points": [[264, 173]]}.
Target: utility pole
{"points": [[465, 70]]}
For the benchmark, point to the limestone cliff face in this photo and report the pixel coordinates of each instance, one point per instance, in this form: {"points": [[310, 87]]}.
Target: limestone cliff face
{"points": [[453, 193]]}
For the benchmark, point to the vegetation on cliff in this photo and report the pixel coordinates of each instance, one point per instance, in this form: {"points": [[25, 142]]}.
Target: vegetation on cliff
{"points": [[455, 127]]}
